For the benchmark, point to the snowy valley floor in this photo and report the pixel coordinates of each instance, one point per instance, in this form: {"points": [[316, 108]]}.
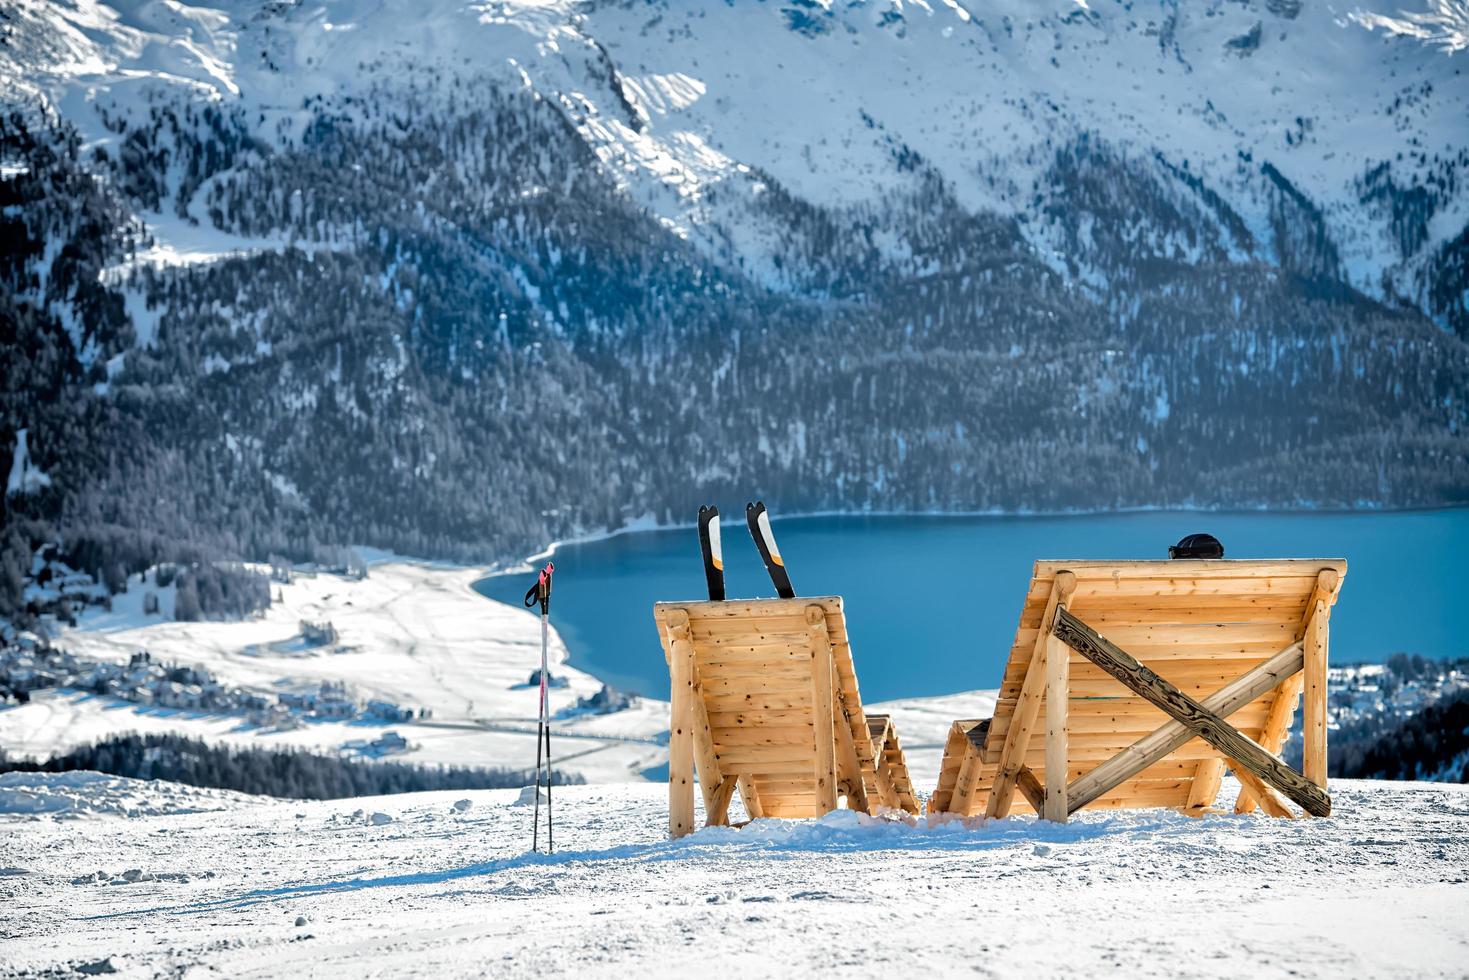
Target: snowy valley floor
{"points": [[250, 887]]}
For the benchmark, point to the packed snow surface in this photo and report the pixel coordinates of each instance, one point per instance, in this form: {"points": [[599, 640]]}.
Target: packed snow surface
{"points": [[441, 884], [82, 794]]}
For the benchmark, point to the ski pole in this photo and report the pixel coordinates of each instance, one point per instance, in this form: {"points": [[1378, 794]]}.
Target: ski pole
{"points": [[541, 593]]}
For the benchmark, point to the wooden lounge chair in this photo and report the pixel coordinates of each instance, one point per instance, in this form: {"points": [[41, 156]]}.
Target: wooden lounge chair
{"points": [[1143, 680], [764, 698]]}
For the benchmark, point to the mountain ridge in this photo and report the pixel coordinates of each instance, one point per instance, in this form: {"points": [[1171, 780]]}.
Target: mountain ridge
{"points": [[587, 262]]}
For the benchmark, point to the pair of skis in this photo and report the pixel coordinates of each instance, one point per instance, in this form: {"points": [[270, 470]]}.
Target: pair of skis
{"points": [[759, 521]]}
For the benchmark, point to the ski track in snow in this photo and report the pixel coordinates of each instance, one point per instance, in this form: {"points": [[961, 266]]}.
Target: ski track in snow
{"points": [[1381, 888]]}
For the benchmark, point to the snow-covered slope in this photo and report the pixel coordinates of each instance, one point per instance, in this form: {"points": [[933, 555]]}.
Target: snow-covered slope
{"points": [[433, 888], [413, 634]]}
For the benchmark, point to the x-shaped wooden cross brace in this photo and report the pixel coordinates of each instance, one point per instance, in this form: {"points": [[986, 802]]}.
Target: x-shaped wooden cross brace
{"points": [[1260, 772]]}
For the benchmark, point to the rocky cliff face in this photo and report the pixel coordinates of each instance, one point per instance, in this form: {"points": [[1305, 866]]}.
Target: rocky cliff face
{"points": [[454, 279]]}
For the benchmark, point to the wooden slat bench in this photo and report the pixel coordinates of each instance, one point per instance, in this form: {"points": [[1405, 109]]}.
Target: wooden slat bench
{"points": [[1143, 681], [765, 700]]}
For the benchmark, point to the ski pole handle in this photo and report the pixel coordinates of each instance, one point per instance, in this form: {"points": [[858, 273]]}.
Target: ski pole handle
{"points": [[541, 591]]}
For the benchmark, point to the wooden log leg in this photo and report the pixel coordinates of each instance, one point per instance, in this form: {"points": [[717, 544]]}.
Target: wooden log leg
{"points": [[1027, 705], [705, 758], [822, 710], [681, 734], [751, 797], [1035, 794], [1205, 787], [942, 798], [962, 801], [1313, 759], [1275, 732], [717, 813], [1269, 801], [886, 791], [849, 766], [1058, 697]]}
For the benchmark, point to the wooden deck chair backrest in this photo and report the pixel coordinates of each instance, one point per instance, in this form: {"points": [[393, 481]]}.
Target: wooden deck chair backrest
{"points": [[1239, 639], [765, 699]]}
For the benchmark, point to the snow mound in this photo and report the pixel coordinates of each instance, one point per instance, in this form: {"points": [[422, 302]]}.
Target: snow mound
{"points": [[77, 794]]}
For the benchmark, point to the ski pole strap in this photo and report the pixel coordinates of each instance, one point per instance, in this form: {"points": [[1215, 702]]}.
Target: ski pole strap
{"points": [[541, 591]]}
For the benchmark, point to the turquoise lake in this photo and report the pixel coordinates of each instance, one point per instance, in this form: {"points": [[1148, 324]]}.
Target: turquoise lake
{"points": [[932, 602]]}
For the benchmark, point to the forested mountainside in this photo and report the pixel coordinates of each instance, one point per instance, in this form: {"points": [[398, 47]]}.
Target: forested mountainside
{"points": [[455, 279]]}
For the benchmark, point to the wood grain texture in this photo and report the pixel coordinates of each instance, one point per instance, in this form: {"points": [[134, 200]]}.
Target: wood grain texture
{"points": [[1017, 739], [1275, 732], [680, 726], [1170, 737], [1204, 723], [822, 716], [1035, 794]]}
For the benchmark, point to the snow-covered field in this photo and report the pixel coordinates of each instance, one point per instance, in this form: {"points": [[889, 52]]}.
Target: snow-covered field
{"points": [[411, 633], [257, 887]]}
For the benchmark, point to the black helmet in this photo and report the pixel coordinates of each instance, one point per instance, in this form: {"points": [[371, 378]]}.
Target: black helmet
{"points": [[1197, 546]]}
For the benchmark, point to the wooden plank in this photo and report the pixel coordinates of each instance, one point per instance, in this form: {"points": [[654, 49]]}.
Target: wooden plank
{"points": [[752, 719], [1203, 722], [1204, 586], [1313, 720], [1057, 703], [725, 738], [748, 608], [821, 714], [680, 725], [756, 754], [771, 768], [1153, 614], [769, 686], [1122, 728], [722, 704], [1223, 568], [1200, 636], [1026, 708], [742, 655], [1275, 732]]}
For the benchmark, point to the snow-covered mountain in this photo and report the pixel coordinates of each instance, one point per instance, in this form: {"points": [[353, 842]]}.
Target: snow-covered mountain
{"points": [[696, 111], [460, 277]]}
